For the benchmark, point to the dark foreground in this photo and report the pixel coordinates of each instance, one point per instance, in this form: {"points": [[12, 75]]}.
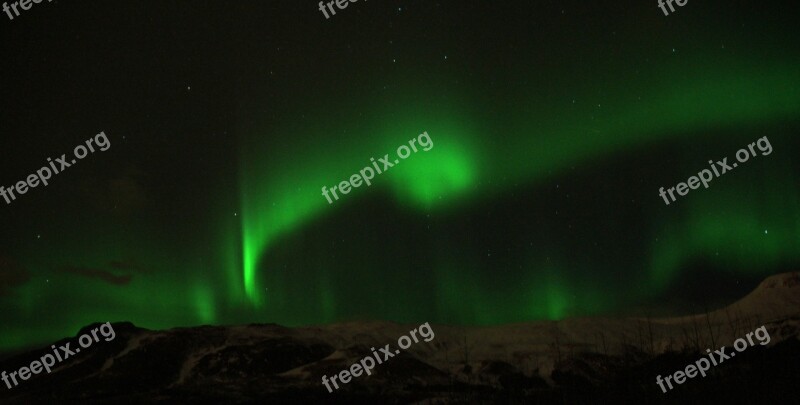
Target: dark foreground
{"points": [[572, 361]]}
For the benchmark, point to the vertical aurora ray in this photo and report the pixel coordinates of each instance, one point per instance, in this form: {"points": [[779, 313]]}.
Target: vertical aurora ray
{"points": [[204, 304], [282, 194], [269, 211], [538, 200], [468, 296]]}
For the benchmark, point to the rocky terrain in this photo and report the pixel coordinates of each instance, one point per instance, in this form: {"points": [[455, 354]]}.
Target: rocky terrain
{"points": [[581, 360]]}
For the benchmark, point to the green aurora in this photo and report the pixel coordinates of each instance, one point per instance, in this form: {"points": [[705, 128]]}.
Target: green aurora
{"points": [[539, 199], [279, 198], [460, 170]]}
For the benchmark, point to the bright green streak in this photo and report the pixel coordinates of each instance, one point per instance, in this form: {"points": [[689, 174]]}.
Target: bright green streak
{"points": [[283, 196], [491, 138], [274, 205]]}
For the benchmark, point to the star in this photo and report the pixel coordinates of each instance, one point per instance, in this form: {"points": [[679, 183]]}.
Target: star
{"points": [[188, 87], [765, 232], [38, 236], [235, 214]]}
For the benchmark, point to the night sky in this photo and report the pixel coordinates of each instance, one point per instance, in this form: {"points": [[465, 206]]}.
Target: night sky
{"points": [[554, 125]]}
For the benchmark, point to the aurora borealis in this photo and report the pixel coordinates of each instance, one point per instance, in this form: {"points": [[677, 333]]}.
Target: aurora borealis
{"points": [[554, 125]]}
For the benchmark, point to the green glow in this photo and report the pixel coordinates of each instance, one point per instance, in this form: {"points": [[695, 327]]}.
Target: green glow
{"points": [[468, 296], [715, 96], [437, 176], [273, 205], [157, 297], [155, 307], [260, 260], [762, 229], [204, 304], [280, 197]]}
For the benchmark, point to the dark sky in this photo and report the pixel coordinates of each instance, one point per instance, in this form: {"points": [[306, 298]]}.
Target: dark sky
{"points": [[553, 125]]}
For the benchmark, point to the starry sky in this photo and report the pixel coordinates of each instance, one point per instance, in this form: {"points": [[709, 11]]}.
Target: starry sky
{"points": [[554, 125]]}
